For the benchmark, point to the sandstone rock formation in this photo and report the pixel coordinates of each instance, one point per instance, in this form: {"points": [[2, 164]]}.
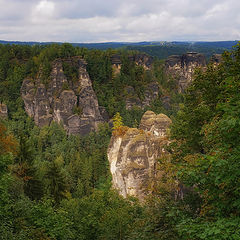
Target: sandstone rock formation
{"points": [[216, 59], [71, 102], [133, 156], [116, 64], [182, 67], [143, 60], [3, 111], [152, 89], [151, 93]]}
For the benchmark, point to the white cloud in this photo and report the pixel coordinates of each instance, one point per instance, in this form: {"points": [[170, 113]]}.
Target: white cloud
{"points": [[119, 20], [43, 11]]}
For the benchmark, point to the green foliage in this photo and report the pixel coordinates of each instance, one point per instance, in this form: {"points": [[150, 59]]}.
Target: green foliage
{"points": [[77, 110], [117, 121], [103, 215], [70, 71], [58, 186], [162, 51], [206, 150]]}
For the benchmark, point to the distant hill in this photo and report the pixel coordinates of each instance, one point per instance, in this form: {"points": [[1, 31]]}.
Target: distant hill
{"points": [[105, 45], [177, 48], [160, 49]]}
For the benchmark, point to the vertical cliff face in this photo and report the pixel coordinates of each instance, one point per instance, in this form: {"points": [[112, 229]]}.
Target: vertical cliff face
{"points": [[71, 102], [182, 67], [133, 156]]}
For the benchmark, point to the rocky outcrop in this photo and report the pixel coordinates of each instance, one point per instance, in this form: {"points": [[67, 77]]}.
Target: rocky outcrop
{"points": [[116, 64], [133, 102], [3, 111], [151, 93], [152, 89], [182, 68], [216, 59], [143, 60], [133, 155], [71, 102]]}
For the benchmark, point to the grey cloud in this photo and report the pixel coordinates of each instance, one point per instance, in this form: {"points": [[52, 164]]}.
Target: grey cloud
{"points": [[86, 9], [119, 20]]}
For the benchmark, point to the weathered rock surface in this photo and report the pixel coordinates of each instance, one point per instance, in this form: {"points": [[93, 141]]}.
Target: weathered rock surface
{"points": [[133, 102], [71, 102], [216, 59], [151, 93], [3, 111], [182, 67], [166, 102], [143, 60], [133, 156]]}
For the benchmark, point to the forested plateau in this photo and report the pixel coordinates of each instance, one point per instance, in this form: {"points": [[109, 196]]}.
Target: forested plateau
{"points": [[64, 108]]}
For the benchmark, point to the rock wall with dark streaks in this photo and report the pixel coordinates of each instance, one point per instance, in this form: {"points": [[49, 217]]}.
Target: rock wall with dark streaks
{"points": [[182, 67], [133, 156], [71, 102]]}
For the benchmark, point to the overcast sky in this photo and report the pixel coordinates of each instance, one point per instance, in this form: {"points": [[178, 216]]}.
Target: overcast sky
{"points": [[119, 20]]}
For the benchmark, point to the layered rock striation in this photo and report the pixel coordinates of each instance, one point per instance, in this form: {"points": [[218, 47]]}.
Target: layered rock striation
{"points": [[71, 102], [182, 68], [133, 156]]}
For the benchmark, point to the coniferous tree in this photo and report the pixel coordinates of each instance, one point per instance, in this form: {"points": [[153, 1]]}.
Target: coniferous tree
{"points": [[57, 184]]}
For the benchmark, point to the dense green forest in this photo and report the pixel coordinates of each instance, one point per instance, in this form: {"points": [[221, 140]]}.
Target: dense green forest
{"points": [[56, 186], [162, 50]]}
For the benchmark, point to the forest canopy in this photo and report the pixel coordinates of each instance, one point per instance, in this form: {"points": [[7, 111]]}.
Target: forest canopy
{"points": [[58, 186]]}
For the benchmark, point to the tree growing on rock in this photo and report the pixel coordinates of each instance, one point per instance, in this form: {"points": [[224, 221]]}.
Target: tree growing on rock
{"points": [[117, 121], [118, 128]]}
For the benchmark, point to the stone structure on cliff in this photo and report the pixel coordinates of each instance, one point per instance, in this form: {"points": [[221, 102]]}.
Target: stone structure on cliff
{"points": [[71, 102], [182, 67], [133, 156], [3, 111]]}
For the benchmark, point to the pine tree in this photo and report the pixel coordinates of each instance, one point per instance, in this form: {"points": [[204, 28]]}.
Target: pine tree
{"points": [[117, 121], [57, 182]]}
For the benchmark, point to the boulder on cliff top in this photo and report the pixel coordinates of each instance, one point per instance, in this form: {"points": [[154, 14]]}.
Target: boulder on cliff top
{"points": [[156, 124]]}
